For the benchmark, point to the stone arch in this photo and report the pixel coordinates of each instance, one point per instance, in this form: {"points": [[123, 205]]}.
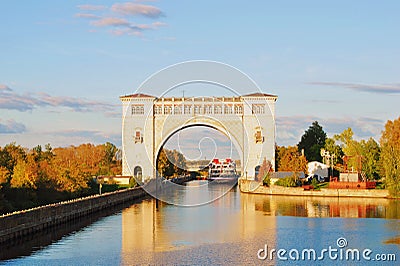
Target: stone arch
{"points": [[157, 127], [219, 128]]}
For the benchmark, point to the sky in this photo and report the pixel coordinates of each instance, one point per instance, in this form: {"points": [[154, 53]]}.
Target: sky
{"points": [[64, 64]]}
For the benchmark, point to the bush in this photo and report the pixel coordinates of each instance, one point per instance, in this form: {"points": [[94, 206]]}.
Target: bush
{"points": [[132, 182], [380, 185], [289, 181], [315, 183], [267, 180]]}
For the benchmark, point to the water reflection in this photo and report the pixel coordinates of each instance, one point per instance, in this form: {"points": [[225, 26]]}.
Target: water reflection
{"points": [[151, 234], [324, 206], [244, 222], [229, 230]]}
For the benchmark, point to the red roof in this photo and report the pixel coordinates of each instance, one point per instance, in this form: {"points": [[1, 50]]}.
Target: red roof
{"points": [[138, 95], [259, 94]]}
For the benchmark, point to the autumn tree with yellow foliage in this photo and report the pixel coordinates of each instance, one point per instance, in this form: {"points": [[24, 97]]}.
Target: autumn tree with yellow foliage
{"points": [[390, 156], [30, 177]]}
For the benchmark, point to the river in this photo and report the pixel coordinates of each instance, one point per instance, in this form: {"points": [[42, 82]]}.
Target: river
{"points": [[235, 229]]}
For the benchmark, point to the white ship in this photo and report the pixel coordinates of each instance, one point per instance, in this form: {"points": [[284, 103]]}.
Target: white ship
{"points": [[222, 171]]}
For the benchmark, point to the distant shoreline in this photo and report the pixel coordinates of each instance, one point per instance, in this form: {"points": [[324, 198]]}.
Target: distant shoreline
{"points": [[251, 186]]}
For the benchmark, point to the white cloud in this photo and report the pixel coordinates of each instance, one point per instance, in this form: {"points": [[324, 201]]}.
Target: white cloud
{"points": [[372, 88], [92, 7], [110, 21], [4, 88], [11, 127], [61, 138], [137, 9], [86, 15], [117, 18], [11, 100]]}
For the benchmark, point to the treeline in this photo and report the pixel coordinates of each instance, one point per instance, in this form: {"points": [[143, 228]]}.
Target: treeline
{"points": [[32, 177], [378, 161], [171, 163]]}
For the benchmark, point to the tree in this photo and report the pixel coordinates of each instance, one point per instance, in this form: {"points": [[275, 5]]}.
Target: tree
{"points": [[370, 158], [335, 150], [312, 141], [110, 154], [37, 153], [163, 164], [48, 153], [110, 150], [10, 155], [290, 159], [179, 162], [171, 163], [4, 174], [39, 176], [390, 156], [366, 152], [25, 174]]}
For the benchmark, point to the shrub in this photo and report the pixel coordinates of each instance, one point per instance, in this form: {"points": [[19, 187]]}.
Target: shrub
{"points": [[267, 180], [289, 181]]}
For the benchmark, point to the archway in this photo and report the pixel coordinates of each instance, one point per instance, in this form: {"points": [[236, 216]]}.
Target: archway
{"points": [[138, 173], [235, 146], [199, 144]]}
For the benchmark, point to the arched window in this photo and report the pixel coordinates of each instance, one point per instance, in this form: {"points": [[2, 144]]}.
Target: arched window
{"points": [[137, 109], [256, 171], [258, 108], [258, 135], [138, 136], [137, 173]]}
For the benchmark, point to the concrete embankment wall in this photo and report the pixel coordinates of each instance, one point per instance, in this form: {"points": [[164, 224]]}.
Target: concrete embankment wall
{"points": [[249, 186], [21, 223], [25, 222]]}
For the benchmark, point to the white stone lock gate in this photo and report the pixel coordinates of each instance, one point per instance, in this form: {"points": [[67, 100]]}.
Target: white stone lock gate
{"points": [[248, 121]]}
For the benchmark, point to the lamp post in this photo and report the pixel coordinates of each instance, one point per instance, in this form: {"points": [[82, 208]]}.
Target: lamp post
{"points": [[332, 157]]}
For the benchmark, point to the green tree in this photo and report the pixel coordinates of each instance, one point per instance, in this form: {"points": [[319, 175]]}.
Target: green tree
{"points": [[351, 148], [334, 149], [48, 153], [110, 155], [366, 152], [312, 141], [390, 156], [110, 151], [370, 158], [37, 153]]}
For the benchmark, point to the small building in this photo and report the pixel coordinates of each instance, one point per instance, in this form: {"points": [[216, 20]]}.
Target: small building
{"points": [[118, 179], [317, 168], [350, 177]]}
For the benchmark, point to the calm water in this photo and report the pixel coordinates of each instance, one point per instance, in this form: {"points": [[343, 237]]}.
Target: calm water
{"points": [[230, 230]]}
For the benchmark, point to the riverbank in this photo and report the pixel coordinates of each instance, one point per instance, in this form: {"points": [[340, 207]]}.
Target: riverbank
{"points": [[26, 222], [251, 186]]}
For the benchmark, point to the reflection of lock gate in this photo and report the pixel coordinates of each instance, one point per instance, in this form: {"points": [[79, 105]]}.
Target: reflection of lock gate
{"points": [[248, 120]]}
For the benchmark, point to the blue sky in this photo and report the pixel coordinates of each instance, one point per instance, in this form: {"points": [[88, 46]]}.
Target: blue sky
{"points": [[63, 64]]}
